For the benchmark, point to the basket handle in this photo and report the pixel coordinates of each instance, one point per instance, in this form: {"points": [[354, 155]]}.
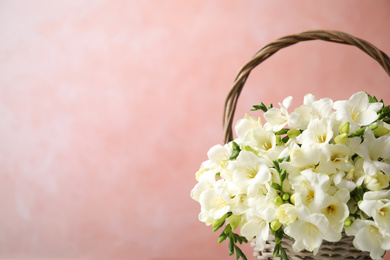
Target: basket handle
{"points": [[271, 48]]}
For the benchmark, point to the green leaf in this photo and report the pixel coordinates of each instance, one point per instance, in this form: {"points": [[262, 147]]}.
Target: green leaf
{"points": [[285, 139], [283, 175], [218, 223], [372, 99], [276, 186], [278, 141], [228, 229], [360, 191], [259, 107], [283, 255], [222, 237], [276, 250], [239, 253], [282, 131], [231, 244], [284, 159], [276, 165]]}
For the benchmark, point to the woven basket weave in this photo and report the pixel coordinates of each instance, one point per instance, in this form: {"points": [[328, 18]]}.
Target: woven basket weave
{"points": [[343, 249]]}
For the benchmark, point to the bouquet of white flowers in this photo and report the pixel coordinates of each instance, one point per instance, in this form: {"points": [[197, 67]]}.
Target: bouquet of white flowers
{"points": [[319, 173], [310, 174]]}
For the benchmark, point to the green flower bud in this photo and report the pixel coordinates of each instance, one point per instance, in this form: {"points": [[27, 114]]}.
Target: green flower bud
{"points": [[235, 221], [360, 131], [344, 128], [276, 186], [292, 198], [373, 127], [292, 133], [341, 139], [275, 224], [347, 222], [219, 222], [286, 196], [279, 141], [380, 131], [222, 237], [278, 201]]}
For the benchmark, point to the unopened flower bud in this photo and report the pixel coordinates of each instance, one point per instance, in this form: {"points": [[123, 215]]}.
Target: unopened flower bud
{"points": [[292, 133], [347, 222], [341, 139], [286, 196], [344, 128], [235, 221], [217, 223], [373, 127], [278, 201], [380, 131], [275, 224], [292, 198]]}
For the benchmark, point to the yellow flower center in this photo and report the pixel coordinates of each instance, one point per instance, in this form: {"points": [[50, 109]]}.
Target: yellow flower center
{"points": [[310, 196], [267, 145], [321, 138]]}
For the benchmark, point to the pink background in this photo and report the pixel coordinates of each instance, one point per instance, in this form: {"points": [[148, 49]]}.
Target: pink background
{"points": [[107, 109]]}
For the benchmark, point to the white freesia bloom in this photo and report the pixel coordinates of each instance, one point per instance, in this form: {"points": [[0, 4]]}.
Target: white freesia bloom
{"points": [[248, 169], [257, 227], [321, 109], [205, 182], [218, 155], [368, 237], [376, 204], [244, 126], [286, 214], [374, 151], [377, 182], [327, 171], [318, 134], [339, 160], [214, 202], [357, 110], [304, 157], [277, 118], [335, 209], [309, 231], [264, 143], [239, 204], [263, 203]]}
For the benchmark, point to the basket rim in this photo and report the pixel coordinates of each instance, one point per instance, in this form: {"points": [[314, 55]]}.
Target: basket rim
{"points": [[283, 42]]}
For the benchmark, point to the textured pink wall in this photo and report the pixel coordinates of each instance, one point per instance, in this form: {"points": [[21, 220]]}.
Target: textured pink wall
{"points": [[107, 109]]}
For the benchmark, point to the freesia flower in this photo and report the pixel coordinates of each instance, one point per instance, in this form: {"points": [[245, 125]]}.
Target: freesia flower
{"points": [[309, 175], [357, 110], [376, 204], [248, 169], [309, 231], [374, 151], [257, 227], [277, 118], [321, 109], [368, 237]]}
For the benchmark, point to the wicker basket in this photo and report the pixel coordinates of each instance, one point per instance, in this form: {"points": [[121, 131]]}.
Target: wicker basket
{"points": [[343, 249]]}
